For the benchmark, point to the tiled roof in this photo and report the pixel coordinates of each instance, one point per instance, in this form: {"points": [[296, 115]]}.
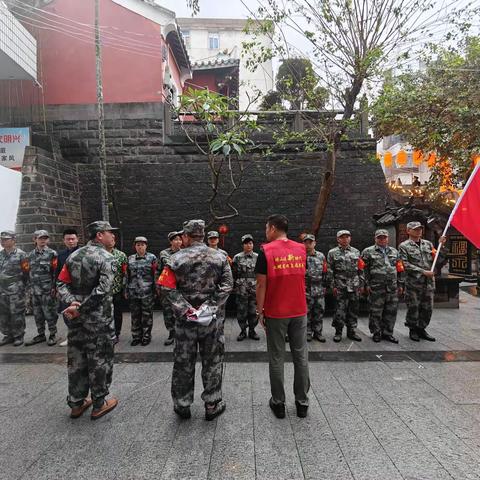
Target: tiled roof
{"points": [[215, 62]]}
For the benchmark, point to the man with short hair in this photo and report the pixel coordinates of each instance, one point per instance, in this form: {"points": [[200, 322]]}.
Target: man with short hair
{"points": [[417, 255], [85, 284], [316, 279], [345, 269], [43, 265], [14, 268], [384, 283], [282, 310], [243, 269], [175, 239], [140, 291], [198, 281]]}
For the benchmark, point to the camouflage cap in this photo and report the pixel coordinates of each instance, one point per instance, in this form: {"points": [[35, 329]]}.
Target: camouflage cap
{"points": [[140, 239], [172, 235], [381, 233], [40, 234], [194, 227], [343, 232], [213, 234], [99, 226], [308, 236], [414, 225], [8, 234], [247, 238]]}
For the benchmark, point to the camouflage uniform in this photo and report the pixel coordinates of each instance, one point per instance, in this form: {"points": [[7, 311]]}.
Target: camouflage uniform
{"points": [[243, 268], [382, 278], [203, 276], [118, 283], [43, 264], [87, 277], [419, 290], [140, 287], [13, 281], [168, 317], [315, 282], [346, 276]]}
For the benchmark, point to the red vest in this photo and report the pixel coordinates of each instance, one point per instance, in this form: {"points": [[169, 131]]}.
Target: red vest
{"points": [[286, 263]]}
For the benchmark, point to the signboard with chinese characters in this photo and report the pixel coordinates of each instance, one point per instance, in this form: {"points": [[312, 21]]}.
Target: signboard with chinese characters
{"points": [[12, 146], [460, 256]]}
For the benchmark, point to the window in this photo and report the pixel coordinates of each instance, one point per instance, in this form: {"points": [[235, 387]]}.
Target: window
{"points": [[213, 41], [186, 37]]}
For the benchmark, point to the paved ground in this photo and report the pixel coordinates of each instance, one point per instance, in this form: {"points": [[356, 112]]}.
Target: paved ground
{"points": [[382, 419]]}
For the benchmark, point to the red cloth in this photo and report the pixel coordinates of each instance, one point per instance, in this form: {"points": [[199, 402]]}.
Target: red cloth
{"points": [[65, 275], [285, 295], [466, 218], [167, 279]]}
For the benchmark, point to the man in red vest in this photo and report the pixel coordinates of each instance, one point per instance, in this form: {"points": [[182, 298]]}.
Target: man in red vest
{"points": [[282, 310]]}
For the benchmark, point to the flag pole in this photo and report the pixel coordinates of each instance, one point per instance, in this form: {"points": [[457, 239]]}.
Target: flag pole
{"points": [[455, 208]]}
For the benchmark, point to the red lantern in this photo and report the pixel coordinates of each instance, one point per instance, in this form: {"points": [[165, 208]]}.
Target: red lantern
{"points": [[223, 229]]}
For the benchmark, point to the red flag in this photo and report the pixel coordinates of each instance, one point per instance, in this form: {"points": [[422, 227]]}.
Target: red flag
{"points": [[167, 278], [466, 214], [65, 275]]}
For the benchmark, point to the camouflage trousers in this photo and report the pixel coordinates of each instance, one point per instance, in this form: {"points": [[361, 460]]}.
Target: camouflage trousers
{"points": [[168, 316], [246, 311], [316, 309], [141, 310], [210, 342], [419, 302], [45, 311], [383, 311], [90, 363], [346, 310], [12, 315]]}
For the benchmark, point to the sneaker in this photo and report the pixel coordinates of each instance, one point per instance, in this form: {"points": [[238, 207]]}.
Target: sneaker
{"points": [[338, 336], [77, 412], [38, 339], [242, 336], [51, 340], [319, 337], [252, 334], [107, 407], [6, 340], [64, 343], [135, 342], [277, 408], [301, 410], [214, 410], [182, 412]]}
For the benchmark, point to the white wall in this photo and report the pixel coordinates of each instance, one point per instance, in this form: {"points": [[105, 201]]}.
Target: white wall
{"points": [[10, 187]]}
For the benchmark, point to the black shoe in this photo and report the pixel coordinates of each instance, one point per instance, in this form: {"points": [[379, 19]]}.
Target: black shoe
{"points": [[183, 412], [278, 409], [170, 339], [414, 335], [319, 337], [242, 336], [38, 339], [6, 340], [213, 411], [389, 338], [301, 410], [309, 337], [287, 340], [353, 335], [377, 337], [52, 340], [422, 333], [338, 336], [135, 342], [252, 334], [146, 341], [17, 342]]}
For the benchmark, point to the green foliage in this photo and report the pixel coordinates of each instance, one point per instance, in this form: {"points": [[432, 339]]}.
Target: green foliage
{"points": [[272, 100]]}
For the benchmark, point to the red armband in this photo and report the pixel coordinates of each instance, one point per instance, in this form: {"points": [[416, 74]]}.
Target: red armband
{"points": [[154, 268], [25, 265], [325, 267], [124, 268], [361, 264], [167, 278], [400, 266], [65, 275], [54, 263], [434, 252]]}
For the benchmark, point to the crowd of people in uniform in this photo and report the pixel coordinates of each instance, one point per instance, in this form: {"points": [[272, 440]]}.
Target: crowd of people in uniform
{"points": [[194, 280]]}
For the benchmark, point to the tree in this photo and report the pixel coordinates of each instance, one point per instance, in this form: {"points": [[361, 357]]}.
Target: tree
{"points": [[351, 43], [272, 100], [437, 110]]}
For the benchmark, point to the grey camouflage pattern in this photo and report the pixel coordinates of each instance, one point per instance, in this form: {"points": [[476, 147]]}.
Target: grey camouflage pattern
{"points": [[243, 269], [315, 283]]}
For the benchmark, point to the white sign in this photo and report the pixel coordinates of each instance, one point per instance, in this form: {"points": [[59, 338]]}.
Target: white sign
{"points": [[10, 188], [12, 146]]}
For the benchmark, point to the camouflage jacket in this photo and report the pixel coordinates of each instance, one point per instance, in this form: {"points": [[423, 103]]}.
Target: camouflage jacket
{"points": [[120, 270], [316, 274], [141, 275], [382, 270], [87, 277], [243, 269], [344, 269], [202, 275], [14, 268], [43, 264], [416, 259]]}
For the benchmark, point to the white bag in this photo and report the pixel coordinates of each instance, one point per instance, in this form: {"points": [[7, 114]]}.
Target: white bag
{"points": [[204, 315]]}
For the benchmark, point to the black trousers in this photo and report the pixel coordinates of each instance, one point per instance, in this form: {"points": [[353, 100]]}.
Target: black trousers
{"points": [[118, 312]]}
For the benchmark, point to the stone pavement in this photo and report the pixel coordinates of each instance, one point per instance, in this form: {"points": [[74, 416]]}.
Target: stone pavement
{"points": [[391, 418]]}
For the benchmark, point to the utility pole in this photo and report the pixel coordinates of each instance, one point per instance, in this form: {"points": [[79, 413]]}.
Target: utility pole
{"points": [[102, 152]]}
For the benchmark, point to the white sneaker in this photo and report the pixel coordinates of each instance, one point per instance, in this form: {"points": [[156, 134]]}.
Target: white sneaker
{"points": [[64, 343]]}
